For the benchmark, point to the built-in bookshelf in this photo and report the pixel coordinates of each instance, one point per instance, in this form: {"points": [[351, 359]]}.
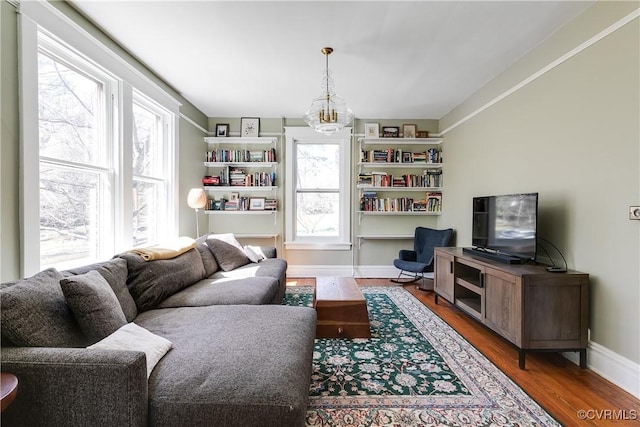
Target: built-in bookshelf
{"points": [[409, 166], [242, 176]]}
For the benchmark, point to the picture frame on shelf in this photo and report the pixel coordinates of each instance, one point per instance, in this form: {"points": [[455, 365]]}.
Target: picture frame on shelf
{"points": [[256, 203], [372, 130], [234, 196], [222, 130], [407, 158], [409, 131], [250, 127], [390, 131], [422, 134]]}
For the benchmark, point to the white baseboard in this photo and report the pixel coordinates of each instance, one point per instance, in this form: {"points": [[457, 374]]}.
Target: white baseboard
{"points": [[377, 271], [611, 366], [320, 270], [360, 271]]}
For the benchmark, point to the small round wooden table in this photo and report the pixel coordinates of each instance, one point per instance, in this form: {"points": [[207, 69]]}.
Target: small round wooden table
{"points": [[9, 386]]}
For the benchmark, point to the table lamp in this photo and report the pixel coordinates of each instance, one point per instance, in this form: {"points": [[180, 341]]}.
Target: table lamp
{"points": [[197, 199]]}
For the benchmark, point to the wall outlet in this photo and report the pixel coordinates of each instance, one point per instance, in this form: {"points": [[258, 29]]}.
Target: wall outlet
{"points": [[634, 212]]}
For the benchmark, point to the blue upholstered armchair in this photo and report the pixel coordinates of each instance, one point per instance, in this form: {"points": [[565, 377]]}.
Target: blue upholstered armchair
{"points": [[415, 263]]}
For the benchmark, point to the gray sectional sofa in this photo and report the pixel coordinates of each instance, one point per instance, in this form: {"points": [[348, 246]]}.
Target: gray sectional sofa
{"points": [[238, 357]]}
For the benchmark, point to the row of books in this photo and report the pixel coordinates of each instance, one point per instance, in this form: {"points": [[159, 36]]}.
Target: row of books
{"points": [[396, 155], [369, 202], [241, 156], [242, 204], [240, 178], [433, 203], [428, 178]]}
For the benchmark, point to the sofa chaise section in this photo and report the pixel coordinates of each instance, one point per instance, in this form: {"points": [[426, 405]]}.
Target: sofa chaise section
{"points": [[232, 365]]}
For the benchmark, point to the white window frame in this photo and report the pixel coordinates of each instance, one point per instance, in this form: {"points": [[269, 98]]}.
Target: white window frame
{"points": [[166, 126], [60, 53], [35, 17], [306, 135]]}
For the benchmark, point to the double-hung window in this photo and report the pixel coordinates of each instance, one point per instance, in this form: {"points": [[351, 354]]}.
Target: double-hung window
{"points": [[151, 124], [317, 213], [98, 155], [75, 157]]}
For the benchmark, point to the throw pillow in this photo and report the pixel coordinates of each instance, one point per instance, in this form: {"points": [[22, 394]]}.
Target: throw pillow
{"points": [[115, 273], [94, 304], [227, 251], [132, 337], [254, 253], [151, 282], [34, 313]]}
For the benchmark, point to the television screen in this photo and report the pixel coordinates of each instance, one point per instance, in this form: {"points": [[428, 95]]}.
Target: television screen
{"points": [[506, 224]]}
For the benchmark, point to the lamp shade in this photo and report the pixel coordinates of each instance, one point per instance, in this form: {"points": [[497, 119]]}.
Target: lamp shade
{"points": [[197, 199]]}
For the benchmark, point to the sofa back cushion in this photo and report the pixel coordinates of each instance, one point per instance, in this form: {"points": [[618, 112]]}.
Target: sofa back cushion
{"points": [[151, 282], [114, 272], [34, 313], [94, 304], [227, 251]]}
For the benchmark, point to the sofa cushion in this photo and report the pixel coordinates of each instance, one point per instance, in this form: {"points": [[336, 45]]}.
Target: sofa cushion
{"points": [[34, 313], [208, 260], [227, 251], [132, 337], [251, 290], [115, 273], [151, 282], [270, 267], [249, 360], [94, 304]]}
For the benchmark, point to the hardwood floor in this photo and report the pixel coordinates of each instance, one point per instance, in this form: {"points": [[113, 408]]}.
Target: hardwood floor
{"points": [[563, 389]]}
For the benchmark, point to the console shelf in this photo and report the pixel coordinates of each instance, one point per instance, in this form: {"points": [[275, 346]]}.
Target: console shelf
{"points": [[532, 308]]}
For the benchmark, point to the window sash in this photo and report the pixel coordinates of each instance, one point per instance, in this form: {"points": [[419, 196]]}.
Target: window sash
{"points": [[76, 215], [75, 212]]}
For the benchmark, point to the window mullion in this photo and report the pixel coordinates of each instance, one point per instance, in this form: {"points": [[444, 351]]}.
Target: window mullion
{"points": [[124, 227]]}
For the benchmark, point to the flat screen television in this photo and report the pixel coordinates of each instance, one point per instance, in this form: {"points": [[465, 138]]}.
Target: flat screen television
{"points": [[506, 225]]}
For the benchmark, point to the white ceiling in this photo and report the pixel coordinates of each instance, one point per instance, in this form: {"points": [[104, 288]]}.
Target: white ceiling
{"points": [[410, 59]]}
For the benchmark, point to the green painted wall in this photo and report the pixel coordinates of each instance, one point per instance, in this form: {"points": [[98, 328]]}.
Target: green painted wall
{"points": [[573, 136], [9, 144]]}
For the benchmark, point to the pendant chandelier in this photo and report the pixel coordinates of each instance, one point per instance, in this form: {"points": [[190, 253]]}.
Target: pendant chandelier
{"points": [[328, 113]]}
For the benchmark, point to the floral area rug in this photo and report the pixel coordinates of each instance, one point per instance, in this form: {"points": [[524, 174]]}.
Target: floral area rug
{"points": [[415, 370]]}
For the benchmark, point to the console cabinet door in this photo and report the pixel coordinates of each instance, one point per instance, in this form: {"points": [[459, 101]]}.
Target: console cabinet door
{"points": [[443, 275], [503, 304]]}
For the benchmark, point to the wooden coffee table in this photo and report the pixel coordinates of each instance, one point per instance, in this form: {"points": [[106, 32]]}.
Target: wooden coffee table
{"points": [[342, 309]]}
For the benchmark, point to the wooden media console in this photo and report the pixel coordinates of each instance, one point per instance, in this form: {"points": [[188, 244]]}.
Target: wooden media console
{"points": [[532, 308]]}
